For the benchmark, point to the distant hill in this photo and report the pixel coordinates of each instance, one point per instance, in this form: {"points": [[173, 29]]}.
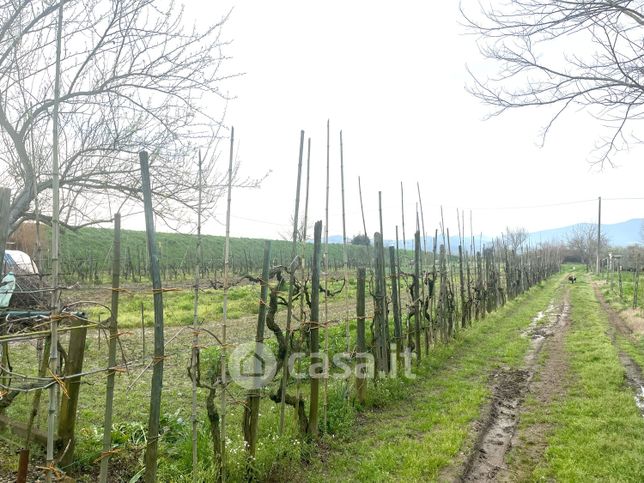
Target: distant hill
{"points": [[619, 234]]}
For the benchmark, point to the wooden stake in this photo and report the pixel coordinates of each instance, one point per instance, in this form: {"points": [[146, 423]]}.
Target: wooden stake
{"points": [[361, 376], [398, 275], [416, 291], [151, 449], [402, 209], [142, 331], [326, 285], [422, 218], [195, 332], [55, 262], [364, 224], [345, 261], [5, 205], [291, 287], [636, 281], [251, 411], [380, 306], [111, 358], [303, 250], [224, 335], [35, 403], [315, 337], [393, 271]]}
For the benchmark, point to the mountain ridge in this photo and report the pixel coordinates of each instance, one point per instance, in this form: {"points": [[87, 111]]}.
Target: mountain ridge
{"points": [[619, 234]]}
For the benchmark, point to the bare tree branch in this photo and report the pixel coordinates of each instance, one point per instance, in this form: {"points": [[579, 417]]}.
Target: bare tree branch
{"points": [[134, 77], [564, 54]]}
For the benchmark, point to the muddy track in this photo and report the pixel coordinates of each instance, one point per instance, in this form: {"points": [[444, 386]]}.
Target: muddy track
{"points": [[530, 441], [486, 460], [634, 376]]}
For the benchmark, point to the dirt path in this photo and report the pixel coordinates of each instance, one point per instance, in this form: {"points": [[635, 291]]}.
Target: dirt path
{"points": [[529, 442], [499, 431], [634, 376]]}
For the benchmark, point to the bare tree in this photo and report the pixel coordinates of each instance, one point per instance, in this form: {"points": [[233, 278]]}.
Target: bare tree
{"points": [[583, 241], [301, 231], [133, 77], [516, 237], [565, 54]]}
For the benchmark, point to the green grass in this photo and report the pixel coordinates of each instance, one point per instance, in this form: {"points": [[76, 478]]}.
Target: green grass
{"points": [[457, 404], [623, 300], [633, 345], [179, 305], [598, 432], [425, 424]]}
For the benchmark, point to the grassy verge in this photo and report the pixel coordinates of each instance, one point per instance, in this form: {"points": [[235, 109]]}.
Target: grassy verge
{"points": [[599, 433], [633, 345], [424, 428]]}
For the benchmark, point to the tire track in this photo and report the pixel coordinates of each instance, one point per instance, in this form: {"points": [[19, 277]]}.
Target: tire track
{"points": [[634, 377], [510, 388]]}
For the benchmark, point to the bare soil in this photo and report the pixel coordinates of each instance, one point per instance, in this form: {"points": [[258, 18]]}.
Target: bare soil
{"points": [[529, 442], [499, 424]]}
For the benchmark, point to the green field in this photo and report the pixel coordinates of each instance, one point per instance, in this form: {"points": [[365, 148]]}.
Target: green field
{"points": [[86, 254]]}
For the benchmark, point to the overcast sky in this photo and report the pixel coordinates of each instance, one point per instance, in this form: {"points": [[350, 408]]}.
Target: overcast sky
{"points": [[392, 76]]}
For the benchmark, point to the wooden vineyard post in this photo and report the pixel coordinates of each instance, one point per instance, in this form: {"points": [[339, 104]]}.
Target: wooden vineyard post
{"points": [[364, 223], [441, 309], [194, 359], [423, 262], [452, 325], [416, 293], [5, 205], [224, 326], [305, 222], [109, 393], [315, 331], [461, 277], [251, 410], [489, 277], [5, 200], [399, 294], [432, 306], [151, 449], [21, 477], [402, 210], [421, 285], [325, 258], [54, 357], [380, 307], [142, 330], [345, 260], [469, 288], [385, 308], [69, 403], [393, 270], [636, 281], [481, 285], [291, 286], [361, 375]]}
